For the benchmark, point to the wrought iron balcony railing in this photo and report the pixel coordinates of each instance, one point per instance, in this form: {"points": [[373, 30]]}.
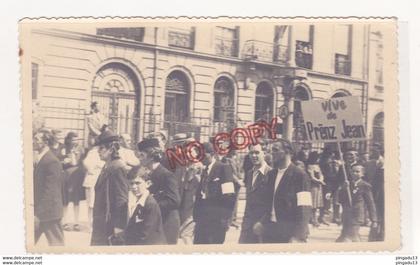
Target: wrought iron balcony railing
{"points": [[135, 34], [303, 54], [226, 47], [181, 38], [342, 64], [265, 51]]}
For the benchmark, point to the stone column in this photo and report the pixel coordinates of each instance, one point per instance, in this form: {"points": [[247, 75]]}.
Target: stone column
{"points": [[292, 48]]}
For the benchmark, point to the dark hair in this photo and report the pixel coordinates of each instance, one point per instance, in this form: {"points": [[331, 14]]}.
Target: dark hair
{"points": [[114, 146], [69, 137], [312, 158], [138, 171], [155, 153], [46, 137], [286, 145], [357, 165], [68, 140], [301, 157], [351, 149], [104, 128]]}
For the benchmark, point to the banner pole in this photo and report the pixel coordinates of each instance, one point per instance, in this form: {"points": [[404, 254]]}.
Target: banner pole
{"points": [[345, 173]]}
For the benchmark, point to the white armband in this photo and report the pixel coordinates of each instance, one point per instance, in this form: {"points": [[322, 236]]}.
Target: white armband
{"points": [[228, 188], [304, 198]]}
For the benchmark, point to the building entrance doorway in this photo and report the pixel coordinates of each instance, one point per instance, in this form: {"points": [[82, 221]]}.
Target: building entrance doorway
{"points": [[116, 89]]}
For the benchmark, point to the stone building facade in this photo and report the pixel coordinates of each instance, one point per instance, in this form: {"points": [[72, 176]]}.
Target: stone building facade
{"points": [[201, 78]]}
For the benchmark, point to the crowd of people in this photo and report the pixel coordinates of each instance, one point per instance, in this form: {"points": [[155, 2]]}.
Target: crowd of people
{"points": [[135, 198]]}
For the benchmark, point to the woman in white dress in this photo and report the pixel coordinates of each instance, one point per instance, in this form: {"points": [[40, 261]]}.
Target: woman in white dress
{"points": [[93, 165]]}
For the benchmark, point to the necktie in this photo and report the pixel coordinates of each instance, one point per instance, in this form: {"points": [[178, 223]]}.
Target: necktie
{"points": [[255, 178], [204, 189]]}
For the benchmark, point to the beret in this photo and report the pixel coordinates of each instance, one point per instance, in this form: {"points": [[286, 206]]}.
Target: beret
{"points": [[146, 143]]}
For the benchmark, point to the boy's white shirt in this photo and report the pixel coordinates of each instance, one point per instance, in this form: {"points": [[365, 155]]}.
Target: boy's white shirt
{"points": [[133, 201], [155, 165], [357, 182]]}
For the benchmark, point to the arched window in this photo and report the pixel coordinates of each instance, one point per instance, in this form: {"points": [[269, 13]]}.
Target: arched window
{"points": [[177, 98], [224, 103], [378, 129], [340, 94], [116, 89], [264, 98]]}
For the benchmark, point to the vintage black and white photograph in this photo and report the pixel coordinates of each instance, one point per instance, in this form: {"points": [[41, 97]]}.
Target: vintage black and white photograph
{"points": [[190, 135]]}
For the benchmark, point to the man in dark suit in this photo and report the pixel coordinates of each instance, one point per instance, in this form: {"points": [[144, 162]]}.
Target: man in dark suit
{"points": [[164, 188], [110, 206], [375, 177], [215, 200], [257, 190], [290, 200], [362, 202], [48, 200]]}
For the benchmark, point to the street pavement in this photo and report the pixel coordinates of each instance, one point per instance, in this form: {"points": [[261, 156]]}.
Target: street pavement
{"points": [[82, 238]]}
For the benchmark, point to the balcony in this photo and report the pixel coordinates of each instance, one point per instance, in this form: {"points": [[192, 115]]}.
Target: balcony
{"points": [[226, 47], [265, 52], [135, 34], [182, 38], [342, 64], [303, 54]]}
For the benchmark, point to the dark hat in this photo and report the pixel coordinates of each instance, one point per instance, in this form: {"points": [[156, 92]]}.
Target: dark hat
{"points": [[208, 148], [72, 135], [146, 143], [106, 137]]}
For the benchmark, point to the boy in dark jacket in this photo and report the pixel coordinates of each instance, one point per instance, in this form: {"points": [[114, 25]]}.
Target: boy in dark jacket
{"points": [[145, 224], [361, 197]]}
